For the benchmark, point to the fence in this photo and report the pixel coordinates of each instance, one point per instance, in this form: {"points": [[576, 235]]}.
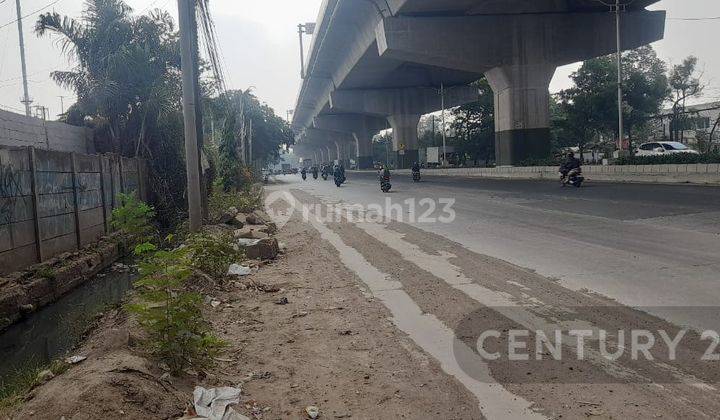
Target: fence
{"points": [[53, 202], [18, 130]]}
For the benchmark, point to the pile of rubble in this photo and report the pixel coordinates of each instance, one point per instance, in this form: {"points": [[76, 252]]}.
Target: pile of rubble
{"points": [[253, 232]]}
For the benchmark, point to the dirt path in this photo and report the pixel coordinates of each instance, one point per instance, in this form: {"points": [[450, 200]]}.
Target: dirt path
{"points": [[331, 346]]}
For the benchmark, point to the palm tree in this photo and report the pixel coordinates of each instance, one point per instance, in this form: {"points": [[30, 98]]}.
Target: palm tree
{"points": [[126, 74]]}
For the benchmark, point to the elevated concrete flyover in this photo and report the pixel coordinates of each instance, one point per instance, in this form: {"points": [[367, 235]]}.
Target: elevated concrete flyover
{"points": [[388, 59]]}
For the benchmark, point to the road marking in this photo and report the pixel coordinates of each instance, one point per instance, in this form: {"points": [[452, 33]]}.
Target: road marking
{"points": [[428, 332]]}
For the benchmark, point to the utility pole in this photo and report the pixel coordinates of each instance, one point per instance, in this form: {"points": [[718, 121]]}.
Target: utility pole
{"points": [[62, 104], [186, 10], [621, 129], [444, 134], [26, 97]]}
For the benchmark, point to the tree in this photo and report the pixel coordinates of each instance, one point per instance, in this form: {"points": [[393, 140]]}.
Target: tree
{"points": [[429, 131], [589, 108], [685, 84], [383, 148], [127, 81], [126, 76], [474, 125], [248, 126]]}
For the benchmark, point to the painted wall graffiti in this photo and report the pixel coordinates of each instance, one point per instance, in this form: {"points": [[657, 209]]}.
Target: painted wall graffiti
{"points": [[10, 190]]}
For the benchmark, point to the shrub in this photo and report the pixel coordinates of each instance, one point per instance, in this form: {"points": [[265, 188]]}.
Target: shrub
{"points": [[212, 254], [677, 159], [244, 201], [547, 161], [172, 316], [133, 217]]}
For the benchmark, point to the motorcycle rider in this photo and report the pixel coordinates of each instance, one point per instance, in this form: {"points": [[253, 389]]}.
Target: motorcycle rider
{"points": [[415, 169], [303, 172], [384, 172], [571, 167], [314, 171], [339, 172]]}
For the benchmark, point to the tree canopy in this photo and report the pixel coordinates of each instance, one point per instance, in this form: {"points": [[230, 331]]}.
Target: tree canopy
{"points": [[588, 110]]}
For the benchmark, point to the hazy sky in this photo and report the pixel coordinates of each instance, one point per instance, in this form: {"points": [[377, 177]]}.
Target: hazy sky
{"points": [[259, 43]]}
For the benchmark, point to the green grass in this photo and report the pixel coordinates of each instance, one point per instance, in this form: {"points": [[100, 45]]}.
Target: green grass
{"points": [[17, 385]]}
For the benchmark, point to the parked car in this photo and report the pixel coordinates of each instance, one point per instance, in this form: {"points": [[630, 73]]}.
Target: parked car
{"points": [[660, 148]]}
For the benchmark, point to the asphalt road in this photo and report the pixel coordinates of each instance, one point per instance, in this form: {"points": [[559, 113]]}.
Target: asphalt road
{"points": [[642, 245], [453, 258]]}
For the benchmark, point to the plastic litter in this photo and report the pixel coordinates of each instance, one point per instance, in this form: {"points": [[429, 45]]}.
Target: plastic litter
{"points": [[217, 403], [73, 360], [239, 270], [312, 411]]}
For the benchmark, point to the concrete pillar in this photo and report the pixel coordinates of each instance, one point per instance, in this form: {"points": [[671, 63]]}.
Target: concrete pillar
{"points": [[340, 152], [332, 154], [321, 152], [522, 111], [405, 138], [361, 127], [363, 150]]}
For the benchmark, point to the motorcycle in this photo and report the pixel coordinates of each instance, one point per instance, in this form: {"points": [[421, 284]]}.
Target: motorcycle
{"points": [[304, 175], [315, 175], [416, 176], [339, 180], [324, 175], [385, 184], [574, 178]]}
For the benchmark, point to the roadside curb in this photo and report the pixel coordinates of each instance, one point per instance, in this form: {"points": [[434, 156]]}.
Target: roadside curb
{"points": [[695, 174]]}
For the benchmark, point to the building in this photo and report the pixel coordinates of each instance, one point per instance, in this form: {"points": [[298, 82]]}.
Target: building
{"points": [[700, 118]]}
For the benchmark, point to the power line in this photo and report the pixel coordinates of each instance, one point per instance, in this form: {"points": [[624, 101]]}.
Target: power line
{"points": [[31, 13]]}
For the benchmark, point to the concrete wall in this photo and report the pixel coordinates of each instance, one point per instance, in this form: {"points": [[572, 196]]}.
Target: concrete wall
{"points": [[21, 131], [53, 202], [661, 174]]}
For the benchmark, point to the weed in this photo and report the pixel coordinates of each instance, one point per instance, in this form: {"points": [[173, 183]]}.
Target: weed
{"points": [[134, 218], [245, 201], [46, 273], [177, 332], [16, 385]]}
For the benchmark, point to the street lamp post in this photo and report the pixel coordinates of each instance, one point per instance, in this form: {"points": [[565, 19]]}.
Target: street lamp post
{"points": [[621, 129], [309, 29]]}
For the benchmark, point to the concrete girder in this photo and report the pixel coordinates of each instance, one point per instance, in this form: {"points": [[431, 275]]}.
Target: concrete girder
{"points": [[386, 102], [480, 43], [519, 55]]}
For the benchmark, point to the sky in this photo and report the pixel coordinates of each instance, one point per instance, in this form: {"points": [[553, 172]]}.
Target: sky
{"points": [[259, 43]]}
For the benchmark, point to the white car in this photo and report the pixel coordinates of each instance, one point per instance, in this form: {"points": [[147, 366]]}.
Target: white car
{"points": [[660, 148]]}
